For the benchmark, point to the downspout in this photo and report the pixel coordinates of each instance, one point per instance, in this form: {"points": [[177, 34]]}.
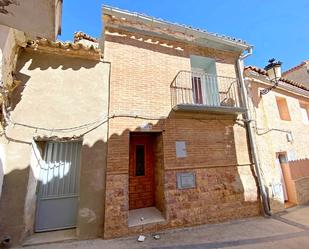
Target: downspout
{"points": [[248, 121]]}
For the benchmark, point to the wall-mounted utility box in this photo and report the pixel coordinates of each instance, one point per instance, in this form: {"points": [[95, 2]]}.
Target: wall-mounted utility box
{"points": [[181, 150], [186, 180]]}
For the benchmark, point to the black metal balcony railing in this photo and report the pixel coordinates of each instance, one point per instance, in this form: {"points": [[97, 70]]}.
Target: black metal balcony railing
{"points": [[202, 90]]}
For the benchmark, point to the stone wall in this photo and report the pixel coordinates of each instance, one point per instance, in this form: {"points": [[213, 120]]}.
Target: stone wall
{"points": [[302, 190], [299, 171], [9, 45], [218, 196]]}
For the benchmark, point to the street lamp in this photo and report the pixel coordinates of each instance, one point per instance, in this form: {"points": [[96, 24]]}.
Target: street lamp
{"points": [[273, 70]]}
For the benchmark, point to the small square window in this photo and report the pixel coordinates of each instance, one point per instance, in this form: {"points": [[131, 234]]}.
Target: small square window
{"points": [[283, 109], [304, 111]]}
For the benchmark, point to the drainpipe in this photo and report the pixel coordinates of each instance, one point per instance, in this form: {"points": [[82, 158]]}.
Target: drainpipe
{"points": [[252, 142]]}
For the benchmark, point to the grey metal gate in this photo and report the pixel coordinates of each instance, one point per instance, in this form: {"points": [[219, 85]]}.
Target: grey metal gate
{"points": [[58, 186]]}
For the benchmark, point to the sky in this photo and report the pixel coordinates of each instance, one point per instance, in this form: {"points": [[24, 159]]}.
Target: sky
{"points": [[276, 28]]}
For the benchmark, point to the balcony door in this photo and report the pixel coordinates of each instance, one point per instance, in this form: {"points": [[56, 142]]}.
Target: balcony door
{"points": [[205, 88], [198, 88]]}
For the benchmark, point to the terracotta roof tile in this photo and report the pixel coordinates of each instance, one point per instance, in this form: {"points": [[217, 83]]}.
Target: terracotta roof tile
{"points": [[285, 80], [83, 36], [81, 50], [62, 45], [295, 68]]}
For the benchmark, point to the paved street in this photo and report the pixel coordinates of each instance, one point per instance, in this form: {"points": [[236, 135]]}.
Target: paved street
{"points": [[287, 230]]}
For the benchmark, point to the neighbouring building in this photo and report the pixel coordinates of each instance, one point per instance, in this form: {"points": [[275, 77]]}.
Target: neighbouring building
{"points": [[55, 141], [19, 23], [35, 18], [177, 146], [281, 124], [299, 73]]}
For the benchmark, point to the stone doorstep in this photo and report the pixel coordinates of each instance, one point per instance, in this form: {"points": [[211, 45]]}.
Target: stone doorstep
{"points": [[67, 235], [144, 216]]}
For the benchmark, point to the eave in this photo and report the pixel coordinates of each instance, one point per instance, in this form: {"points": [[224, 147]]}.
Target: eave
{"points": [[65, 48], [134, 22]]}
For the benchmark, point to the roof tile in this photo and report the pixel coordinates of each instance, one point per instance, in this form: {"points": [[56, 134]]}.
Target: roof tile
{"points": [[285, 80]]}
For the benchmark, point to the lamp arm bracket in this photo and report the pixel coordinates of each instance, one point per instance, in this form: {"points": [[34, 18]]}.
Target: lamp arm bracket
{"points": [[267, 90]]}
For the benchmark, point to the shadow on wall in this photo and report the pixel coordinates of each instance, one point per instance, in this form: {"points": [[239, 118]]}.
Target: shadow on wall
{"points": [[255, 95], [22, 211], [219, 194], [152, 45], [12, 202], [31, 60], [53, 61]]}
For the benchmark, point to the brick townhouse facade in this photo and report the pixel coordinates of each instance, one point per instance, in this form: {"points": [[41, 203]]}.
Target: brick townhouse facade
{"points": [[282, 137], [177, 156], [147, 133]]}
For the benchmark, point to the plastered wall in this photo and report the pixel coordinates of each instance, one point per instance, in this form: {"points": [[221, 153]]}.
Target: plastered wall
{"points": [[55, 92], [271, 136]]}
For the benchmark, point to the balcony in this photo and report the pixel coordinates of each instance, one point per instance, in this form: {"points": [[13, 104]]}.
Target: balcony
{"points": [[202, 92]]}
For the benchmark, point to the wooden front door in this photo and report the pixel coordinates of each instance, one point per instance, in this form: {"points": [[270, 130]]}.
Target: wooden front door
{"points": [[141, 172]]}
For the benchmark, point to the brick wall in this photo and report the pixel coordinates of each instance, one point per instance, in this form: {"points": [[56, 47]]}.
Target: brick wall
{"points": [[141, 74], [159, 174], [298, 172]]}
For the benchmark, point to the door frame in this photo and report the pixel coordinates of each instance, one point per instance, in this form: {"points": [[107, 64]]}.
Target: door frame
{"points": [[148, 158], [77, 177], [282, 176], [198, 73]]}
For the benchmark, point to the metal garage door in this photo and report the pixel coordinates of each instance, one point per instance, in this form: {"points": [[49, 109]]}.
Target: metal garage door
{"points": [[58, 186]]}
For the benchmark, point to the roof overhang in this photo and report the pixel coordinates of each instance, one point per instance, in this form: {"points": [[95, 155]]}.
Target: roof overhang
{"points": [[37, 18], [283, 86], [78, 50], [135, 22]]}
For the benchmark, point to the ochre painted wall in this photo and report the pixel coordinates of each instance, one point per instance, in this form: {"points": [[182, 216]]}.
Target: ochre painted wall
{"points": [[55, 92]]}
